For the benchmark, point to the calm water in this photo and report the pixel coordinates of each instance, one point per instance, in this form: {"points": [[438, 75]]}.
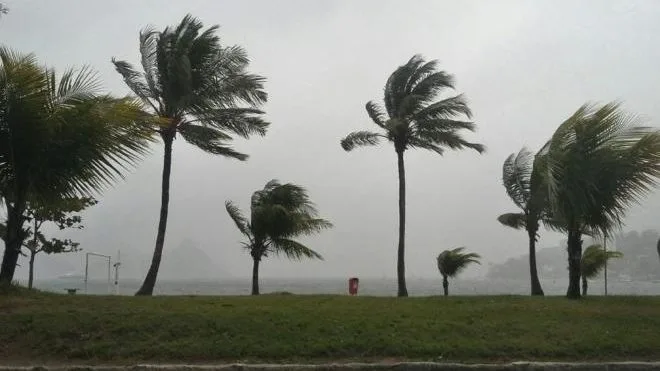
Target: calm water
{"points": [[372, 287]]}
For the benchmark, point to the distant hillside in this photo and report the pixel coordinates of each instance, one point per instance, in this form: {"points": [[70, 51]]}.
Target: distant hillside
{"points": [[641, 259]]}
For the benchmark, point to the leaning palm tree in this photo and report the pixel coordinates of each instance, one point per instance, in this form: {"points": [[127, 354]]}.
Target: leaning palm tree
{"points": [[279, 214], [60, 137], [198, 89], [522, 175], [600, 161], [453, 262], [594, 259], [414, 118]]}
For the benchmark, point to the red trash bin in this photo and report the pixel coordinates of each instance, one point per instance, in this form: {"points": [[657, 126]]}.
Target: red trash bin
{"points": [[353, 284]]}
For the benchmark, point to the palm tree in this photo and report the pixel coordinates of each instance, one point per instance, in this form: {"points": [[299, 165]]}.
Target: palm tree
{"points": [[279, 214], [414, 118], [593, 261], [523, 180], [453, 262], [599, 162], [198, 89], [59, 138]]}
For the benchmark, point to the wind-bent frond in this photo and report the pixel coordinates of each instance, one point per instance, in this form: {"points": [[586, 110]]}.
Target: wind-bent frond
{"points": [[238, 218], [445, 109], [452, 262], [513, 220], [376, 113], [241, 121], [293, 250], [210, 140], [133, 79], [516, 176], [594, 259], [360, 139]]}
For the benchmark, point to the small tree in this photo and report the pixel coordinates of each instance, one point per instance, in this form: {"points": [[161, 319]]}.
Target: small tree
{"points": [[453, 262], [64, 214], [278, 214], [593, 261]]}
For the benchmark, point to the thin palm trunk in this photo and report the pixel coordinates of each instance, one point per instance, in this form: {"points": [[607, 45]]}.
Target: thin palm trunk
{"points": [[574, 260], [585, 286], [445, 285], [33, 254], [401, 252], [255, 275], [13, 240], [533, 272], [150, 280]]}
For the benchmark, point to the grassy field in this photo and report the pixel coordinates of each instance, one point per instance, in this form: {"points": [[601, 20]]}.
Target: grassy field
{"points": [[58, 328]]}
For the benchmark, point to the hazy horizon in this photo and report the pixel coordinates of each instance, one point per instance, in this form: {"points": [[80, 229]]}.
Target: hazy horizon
{"points": [[524, 66]]}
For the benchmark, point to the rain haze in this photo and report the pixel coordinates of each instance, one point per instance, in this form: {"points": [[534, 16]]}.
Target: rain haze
{"points": [[524, 66]]}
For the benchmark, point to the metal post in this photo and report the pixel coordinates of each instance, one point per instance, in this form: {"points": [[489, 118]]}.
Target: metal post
{"points": [[117, 264], [109, 276], [86, 270], [605, 270]]}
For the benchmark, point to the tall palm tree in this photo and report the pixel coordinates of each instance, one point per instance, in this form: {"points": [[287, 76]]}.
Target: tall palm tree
{"points": [[453, 262], [278, 214], [599, 162], [594, 259], [59, 137], [413, 117], [200, 90], [522, 176]]}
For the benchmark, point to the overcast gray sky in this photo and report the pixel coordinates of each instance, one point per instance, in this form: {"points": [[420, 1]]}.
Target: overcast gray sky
{"points": [[524, 65]]}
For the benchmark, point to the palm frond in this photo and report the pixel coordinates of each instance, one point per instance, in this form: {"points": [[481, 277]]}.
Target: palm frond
{"points": [[134, 80], [516, 176], [241, 121], [513, 220], [238, 218], [293, 250], [360, 139], [210, 140], [448, 139], [376, 113], [445, 109]]}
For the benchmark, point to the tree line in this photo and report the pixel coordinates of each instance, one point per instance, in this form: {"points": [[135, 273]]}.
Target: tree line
{"points": [[62, 139]]}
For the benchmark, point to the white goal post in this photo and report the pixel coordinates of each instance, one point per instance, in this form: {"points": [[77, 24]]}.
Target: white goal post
{"points": [[109, 258]]}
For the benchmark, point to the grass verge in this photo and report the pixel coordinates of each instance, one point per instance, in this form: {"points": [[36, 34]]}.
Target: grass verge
{"points": [[60, 328]]}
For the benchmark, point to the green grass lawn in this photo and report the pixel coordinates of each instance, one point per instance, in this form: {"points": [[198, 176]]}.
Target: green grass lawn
{"points": [[60, 328]]}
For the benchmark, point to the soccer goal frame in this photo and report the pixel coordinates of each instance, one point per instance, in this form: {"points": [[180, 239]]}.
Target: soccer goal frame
{"points": [[109, 258]]}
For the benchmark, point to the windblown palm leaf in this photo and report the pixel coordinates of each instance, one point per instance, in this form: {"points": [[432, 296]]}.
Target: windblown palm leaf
{"points": [[452, 262], [199, 89], [414, 116]]}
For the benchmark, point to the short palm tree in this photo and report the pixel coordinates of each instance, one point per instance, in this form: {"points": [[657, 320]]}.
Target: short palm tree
{"points": [[600, 161], [198, 89], [522, 176], [453, 262], [413, 117], [59, 137], [278, 214], [594, 259]]}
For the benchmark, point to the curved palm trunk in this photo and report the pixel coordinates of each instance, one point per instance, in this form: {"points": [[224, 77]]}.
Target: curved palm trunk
{"points": [[401, 252], [255, 275], [445, 285], [13, 241], [533, 272], [574, 258], [147, 287], [585, 286], [31, 276]]}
